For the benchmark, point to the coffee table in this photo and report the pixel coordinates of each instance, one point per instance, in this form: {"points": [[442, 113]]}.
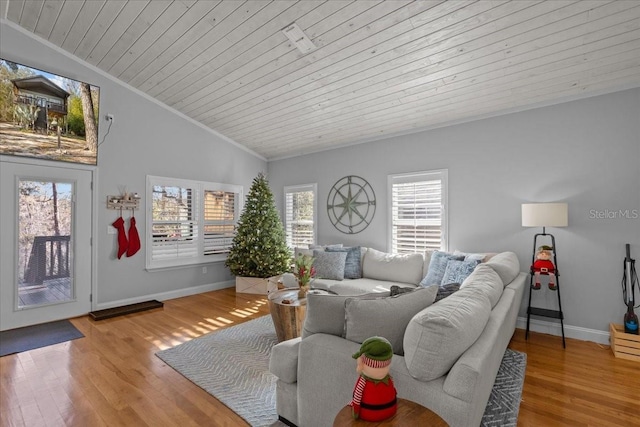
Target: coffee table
{"points": [[409, 414], [287, 312]]}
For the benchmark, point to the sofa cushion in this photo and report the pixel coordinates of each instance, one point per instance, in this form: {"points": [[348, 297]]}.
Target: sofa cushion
{"points": [[507, 266], [487, 281], [437, 267], [329, 265], [403, 268], [427, 261], [438, 335], [326, 314], [457, 271], [386, 317], [352, 264]]}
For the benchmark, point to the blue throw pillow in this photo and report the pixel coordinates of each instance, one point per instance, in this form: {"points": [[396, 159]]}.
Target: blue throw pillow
{"points": [[437, 266], [352, 267], [457, 271]]}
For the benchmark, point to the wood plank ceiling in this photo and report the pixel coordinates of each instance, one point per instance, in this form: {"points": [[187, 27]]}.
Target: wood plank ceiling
{"points": [[380, 68]]}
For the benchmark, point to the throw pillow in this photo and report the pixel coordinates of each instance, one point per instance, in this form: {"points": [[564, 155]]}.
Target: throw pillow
{"points": [[402, 268], [352, 266], [437, 266], [326, 313], [457, 271], [446, 290], [329, 265], [385, 317]]}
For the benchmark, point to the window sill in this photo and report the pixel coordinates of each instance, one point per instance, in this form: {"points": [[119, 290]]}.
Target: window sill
{"points": [[182, 266]]}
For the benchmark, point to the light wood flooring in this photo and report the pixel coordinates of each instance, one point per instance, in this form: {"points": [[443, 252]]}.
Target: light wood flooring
{"points": [[111, 377]]}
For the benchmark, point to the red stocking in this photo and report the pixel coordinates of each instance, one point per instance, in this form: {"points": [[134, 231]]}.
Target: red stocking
{"points": [[134, 238], [122, 237]]}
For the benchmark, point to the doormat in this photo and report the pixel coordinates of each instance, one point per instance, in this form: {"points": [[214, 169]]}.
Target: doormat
{"points": [[108, 313], [32, 337]]}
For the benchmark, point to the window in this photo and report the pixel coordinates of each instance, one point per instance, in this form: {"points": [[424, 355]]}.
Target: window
{"points": [[189, 222], [418, 211], [300, 214]]}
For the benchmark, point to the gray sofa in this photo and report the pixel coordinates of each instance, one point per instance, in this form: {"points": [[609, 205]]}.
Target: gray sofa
{"points": [[448, 355]]}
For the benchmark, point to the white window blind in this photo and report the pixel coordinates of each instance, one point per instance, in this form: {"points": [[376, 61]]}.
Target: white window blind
{"points": [[418, 211], [300, 215], [190, 222], [174, 226], [219, 221]]}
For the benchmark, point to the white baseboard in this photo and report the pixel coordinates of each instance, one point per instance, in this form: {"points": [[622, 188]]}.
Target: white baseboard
{"points": [[553, 328], [163, 296]]}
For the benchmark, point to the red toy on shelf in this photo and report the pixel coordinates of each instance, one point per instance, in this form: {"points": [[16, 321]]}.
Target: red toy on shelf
{"points": [[544, 266]]}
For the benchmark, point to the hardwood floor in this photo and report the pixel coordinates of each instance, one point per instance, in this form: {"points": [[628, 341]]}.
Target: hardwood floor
{"points": [[111, 377], [582, 385]]}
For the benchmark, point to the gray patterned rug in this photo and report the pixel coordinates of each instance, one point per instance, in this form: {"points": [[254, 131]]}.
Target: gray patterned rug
{"points": [[233, 366]]}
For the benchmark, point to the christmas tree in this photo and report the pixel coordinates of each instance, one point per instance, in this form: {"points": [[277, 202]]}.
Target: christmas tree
{"points": [[259, 247]]}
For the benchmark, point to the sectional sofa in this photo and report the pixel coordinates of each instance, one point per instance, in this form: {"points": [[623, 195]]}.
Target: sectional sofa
{"points": [[446, 354]]}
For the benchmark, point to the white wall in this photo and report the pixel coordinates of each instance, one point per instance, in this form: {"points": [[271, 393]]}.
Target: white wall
{"points": [[585, 152], [145, 139]]}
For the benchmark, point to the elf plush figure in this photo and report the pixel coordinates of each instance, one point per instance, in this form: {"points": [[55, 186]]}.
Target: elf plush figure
{"points": [[544, 266], [374, 395]]}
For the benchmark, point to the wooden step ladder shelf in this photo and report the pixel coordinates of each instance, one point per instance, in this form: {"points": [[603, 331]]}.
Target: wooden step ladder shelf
{"points": [[545, 312]]}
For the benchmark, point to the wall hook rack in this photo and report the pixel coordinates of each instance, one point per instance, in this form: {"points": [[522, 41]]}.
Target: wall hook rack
{"points": [[128, 201]]}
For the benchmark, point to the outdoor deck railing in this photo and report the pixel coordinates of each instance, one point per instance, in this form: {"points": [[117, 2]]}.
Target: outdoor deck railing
{"points": [[30, 100], [49, 259]]}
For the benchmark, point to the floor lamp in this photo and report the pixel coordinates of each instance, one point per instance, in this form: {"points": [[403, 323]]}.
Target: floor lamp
{"points": [[545, 215]]}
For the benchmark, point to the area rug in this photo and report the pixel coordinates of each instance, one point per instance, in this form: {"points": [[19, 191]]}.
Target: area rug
{"points": [[233, 366], [32, 337]]}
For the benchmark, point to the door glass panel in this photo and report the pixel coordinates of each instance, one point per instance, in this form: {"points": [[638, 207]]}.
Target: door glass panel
{"points": [[45, 261]]}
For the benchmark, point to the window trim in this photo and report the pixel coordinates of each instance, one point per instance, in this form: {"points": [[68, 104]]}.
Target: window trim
{"points": [[313, 187], [199, 187], [443, 175]]}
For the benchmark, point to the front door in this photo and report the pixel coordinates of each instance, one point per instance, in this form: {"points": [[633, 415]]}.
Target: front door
{"points": [[45, 224]]}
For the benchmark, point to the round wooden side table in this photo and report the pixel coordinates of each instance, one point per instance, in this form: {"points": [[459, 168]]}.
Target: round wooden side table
{"points": [[409, 414], [287, 312]]}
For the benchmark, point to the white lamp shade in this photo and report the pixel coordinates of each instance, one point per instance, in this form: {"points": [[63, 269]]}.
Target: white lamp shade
{"points": [[545, 215]]}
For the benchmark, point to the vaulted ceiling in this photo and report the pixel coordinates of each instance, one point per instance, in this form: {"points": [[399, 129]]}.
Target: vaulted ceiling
{"points": [[380, 67]]}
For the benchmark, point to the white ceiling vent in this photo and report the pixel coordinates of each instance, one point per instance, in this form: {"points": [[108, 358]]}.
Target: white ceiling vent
{"points": [[298, 38]]}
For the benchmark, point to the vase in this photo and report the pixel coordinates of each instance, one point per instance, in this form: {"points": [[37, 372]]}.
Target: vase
{"points": [[302, 292]]}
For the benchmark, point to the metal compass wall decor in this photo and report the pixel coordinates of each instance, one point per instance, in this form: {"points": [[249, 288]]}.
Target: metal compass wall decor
{"points": [[351, 204]]}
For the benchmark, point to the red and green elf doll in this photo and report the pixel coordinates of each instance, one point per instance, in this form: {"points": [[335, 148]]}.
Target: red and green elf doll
{"points": [[374, 395]]}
